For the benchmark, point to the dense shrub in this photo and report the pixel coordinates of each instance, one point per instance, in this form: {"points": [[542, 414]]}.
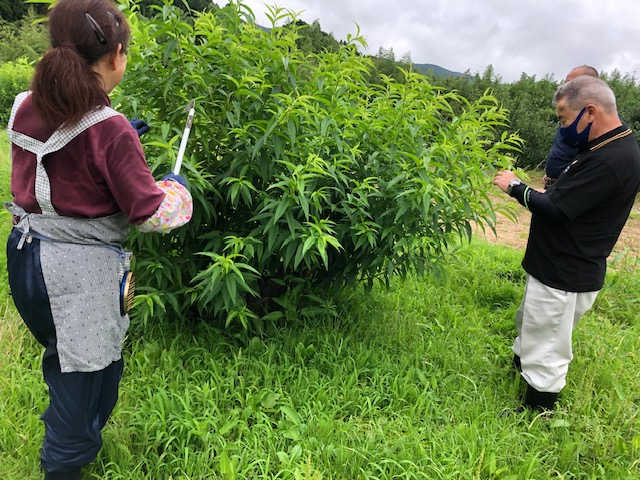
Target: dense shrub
{"points": [[24, 38], [14, 78], [306, 178]]}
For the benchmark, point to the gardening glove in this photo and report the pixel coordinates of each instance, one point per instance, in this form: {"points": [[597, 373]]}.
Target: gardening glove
{"points": [[139, 126], [175, 178]]}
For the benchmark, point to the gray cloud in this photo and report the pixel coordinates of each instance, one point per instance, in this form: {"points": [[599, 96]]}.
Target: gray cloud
{"points": [[537, 37]]}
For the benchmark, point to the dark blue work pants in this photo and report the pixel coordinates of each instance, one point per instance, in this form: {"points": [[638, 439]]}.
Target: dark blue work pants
{"points": [[80, 402]]}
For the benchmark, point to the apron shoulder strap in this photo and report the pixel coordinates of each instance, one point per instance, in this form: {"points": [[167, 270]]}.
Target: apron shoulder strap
{"points": [[58, 140]]}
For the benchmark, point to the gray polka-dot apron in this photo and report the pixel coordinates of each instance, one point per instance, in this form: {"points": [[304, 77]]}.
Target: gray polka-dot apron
{"points": [[82, 261]]}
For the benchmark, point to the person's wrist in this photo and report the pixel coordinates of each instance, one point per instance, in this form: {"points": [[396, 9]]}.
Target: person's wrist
{"points": [[512, 184], [176, 178]]}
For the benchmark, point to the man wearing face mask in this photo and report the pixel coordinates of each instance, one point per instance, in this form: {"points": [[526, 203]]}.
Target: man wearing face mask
{"points": [[561, 154], [574, 225]]}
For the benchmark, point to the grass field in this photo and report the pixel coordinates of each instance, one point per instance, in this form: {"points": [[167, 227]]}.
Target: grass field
{"points": [[401, 384]]}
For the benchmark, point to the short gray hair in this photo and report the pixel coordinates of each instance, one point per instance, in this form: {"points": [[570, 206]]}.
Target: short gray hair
{"points": [[586, 89]]}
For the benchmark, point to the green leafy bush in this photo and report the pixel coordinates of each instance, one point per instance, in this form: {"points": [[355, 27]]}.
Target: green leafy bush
{"points": [[14, 78], [306, 177], [24, 38]]}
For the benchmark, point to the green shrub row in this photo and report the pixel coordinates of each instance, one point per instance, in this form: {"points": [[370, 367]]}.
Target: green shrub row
{"points": [[14, 78]]}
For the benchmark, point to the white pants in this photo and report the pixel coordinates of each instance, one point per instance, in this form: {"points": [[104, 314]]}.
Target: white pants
{"points": [[545, 321]]}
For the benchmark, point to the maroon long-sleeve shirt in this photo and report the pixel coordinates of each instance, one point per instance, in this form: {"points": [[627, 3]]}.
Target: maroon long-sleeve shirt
{"points": [[100, 172]]}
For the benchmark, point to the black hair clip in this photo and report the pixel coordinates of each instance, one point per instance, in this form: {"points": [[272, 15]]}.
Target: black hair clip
{"points": [[96, 28]]}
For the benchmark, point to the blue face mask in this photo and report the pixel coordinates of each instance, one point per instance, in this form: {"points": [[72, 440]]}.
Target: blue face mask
{"points": [[570, 134]]}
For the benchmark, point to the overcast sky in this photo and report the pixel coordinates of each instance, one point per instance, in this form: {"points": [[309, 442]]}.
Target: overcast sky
{"points": [[537, 37]]}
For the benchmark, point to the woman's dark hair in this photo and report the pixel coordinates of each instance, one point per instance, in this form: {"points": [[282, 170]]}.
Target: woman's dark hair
{"points": [[81, 32]]}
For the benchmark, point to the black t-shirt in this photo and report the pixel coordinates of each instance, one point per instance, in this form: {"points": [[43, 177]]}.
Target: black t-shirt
{"points": [[596, 193]]}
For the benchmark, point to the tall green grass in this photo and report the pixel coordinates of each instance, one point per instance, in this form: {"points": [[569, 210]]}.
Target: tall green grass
{"points": [[5, 217], [401, 384]]}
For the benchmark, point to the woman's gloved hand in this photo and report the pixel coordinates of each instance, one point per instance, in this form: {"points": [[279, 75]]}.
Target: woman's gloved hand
{"points": [[139, 126], [175, 178]]}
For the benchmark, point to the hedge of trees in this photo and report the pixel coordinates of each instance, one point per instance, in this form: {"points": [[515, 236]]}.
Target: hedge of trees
{"points": [[531, 114]]}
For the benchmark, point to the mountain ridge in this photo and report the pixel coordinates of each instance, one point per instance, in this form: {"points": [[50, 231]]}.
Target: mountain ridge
{"points": [[425, 68], [436, 70]]}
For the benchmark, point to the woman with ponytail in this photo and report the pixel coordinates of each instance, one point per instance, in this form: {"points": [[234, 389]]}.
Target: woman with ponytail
{"points": [[79, 179]]}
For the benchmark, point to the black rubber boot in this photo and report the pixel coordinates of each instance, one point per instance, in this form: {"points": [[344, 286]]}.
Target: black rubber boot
{"points": [[516, 362], [69, 475], [536, 400]]}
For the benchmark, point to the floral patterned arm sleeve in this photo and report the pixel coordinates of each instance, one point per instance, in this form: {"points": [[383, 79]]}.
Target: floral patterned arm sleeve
{"points": [[174, 211]]}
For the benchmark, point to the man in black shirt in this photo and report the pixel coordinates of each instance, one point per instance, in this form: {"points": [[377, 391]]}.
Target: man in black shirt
{"points": [[574, 225]]}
